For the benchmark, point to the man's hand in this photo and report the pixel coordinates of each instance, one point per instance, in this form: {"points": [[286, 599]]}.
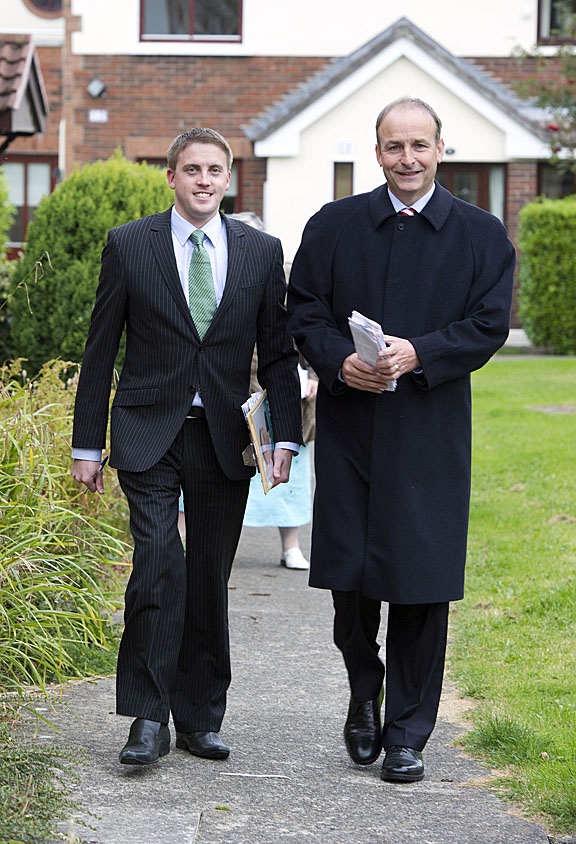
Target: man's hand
{"points": [[282, 463], [399, 358], [89, 473], [311, 389], [362, 376]]}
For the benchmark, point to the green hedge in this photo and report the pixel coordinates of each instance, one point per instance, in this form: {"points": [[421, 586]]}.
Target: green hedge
{"points": [[59, 272], [547, 292]]}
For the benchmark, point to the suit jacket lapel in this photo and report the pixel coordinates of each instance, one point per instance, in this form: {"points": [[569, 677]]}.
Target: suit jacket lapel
{"points": [[236, 258], [163, 249]]}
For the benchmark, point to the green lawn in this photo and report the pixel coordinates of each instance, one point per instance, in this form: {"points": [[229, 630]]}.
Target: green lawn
{"points": [[513, 637]]}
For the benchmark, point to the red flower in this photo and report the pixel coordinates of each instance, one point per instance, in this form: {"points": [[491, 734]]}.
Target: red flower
{"points": [[553, 127]]}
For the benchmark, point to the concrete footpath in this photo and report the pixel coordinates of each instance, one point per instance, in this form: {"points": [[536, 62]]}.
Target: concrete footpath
{"points": [[288, 778]]}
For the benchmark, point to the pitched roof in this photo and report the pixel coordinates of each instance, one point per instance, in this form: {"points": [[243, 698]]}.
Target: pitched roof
{"points": [[23, 102], [336, 72]]}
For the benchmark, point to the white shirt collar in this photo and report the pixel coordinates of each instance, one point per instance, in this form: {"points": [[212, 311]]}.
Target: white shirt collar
{"points": [[417, 206], [183, 228]]}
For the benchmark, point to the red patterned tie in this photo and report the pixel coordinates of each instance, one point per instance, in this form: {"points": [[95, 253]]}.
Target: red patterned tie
{"points": [[408, 212]]}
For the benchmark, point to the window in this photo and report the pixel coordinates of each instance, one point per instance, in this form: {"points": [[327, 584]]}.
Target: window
{"points": [[479, 184], [556, 21], [45, 8], [553, 183], [343, 179], [29, 179], [198, 20]]}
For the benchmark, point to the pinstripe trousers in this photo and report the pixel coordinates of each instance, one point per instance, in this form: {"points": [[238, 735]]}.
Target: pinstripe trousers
{"points": [[174, 654]]}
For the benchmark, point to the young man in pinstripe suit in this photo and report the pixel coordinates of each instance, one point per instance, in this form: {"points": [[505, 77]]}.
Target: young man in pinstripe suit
{"points": [[176, 422]]}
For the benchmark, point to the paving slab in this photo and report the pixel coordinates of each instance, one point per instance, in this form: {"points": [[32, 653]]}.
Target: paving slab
{"points": [[288, 778]]}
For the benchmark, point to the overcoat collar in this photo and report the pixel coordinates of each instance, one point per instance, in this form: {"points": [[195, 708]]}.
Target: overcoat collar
{"points": [[163, 249], [436, 211]]}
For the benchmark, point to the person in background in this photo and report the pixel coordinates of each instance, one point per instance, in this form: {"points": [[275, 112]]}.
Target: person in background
{"points": [[393, 468], [290, 506]]}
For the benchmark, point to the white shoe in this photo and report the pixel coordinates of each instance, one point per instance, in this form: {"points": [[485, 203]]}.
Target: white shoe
{"points": [[293, 558]]}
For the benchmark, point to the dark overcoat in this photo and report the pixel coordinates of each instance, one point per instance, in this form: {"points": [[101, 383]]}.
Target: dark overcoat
{"points": [[393, 470]]}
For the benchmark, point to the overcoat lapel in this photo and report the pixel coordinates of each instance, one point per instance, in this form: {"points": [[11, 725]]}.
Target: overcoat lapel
{"points": [[163, 249]]}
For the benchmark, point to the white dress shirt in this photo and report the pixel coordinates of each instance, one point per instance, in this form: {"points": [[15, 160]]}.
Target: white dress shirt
{"points": [[417, 206]]}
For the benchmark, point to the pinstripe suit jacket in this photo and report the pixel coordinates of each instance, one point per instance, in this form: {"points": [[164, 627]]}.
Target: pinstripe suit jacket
{"points": [[140, 290]]}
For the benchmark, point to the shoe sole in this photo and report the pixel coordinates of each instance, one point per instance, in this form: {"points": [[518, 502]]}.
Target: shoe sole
{"points": [[401, 777], [163, 750], [294, 568]]}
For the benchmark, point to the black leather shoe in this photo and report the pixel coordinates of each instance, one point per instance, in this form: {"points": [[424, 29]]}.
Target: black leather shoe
{"points": [[147, 742], [363, 730], [207, 745], [402, 764]]}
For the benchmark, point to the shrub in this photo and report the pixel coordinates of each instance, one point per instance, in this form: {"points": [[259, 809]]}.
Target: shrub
{"points": [[51, 310], [547, 291]]}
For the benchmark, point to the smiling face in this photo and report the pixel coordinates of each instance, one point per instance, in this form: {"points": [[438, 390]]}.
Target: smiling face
{"points": [[199, 182], [408, 152]]}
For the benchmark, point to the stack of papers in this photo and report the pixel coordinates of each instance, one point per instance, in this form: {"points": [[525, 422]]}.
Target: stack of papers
{"points": [[257, 414], [369, 340]]}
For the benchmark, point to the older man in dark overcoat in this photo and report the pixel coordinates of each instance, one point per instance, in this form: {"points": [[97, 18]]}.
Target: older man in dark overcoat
{"points": [[393, 466]]}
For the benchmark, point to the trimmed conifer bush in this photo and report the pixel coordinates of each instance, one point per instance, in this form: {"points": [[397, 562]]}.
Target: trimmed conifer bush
{"points": [[547, 291], [58, 274]]}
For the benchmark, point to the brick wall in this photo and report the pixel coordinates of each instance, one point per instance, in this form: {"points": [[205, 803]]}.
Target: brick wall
{"points": [[152, 99], [517, 69], [521, 188]]}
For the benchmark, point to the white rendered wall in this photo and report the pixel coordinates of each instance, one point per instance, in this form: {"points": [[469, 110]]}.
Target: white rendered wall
{"points": [[16, 18], [317, 27], [297, 187]]}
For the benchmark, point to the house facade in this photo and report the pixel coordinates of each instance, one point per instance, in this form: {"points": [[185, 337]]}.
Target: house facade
{"points": [[295, 89]]}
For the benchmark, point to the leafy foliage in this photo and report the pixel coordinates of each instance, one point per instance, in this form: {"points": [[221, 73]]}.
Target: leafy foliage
{"points": [[58, 553], [51, 311], [6, 215], [547, 278], [32, 789], [556, 92]]}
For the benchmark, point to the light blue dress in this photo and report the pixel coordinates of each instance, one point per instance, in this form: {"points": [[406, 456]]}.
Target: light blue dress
{"points": [[287, 505]]}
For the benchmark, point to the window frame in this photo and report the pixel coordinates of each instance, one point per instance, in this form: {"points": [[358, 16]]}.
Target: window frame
{"points": [[336, 177], [23, 158], [44, 13], [549, 39], [191, 38]]}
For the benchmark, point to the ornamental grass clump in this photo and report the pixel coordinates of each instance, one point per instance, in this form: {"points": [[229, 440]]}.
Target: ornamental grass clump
{"points": [[59, 557]]}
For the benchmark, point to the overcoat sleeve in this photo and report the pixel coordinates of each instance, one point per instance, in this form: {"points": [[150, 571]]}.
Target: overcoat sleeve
{"points": [[467, 344]]}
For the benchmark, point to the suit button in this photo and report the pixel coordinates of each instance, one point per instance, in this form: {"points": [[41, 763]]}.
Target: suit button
{"points": [[401, 227]]}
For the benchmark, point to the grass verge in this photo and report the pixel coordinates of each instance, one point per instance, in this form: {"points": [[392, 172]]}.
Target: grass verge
{"points": [[513, 646], [34, 784], [60, 557]]}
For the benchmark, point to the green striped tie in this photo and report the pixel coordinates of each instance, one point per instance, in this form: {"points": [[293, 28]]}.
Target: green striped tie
{"points": [[202, 298]]}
